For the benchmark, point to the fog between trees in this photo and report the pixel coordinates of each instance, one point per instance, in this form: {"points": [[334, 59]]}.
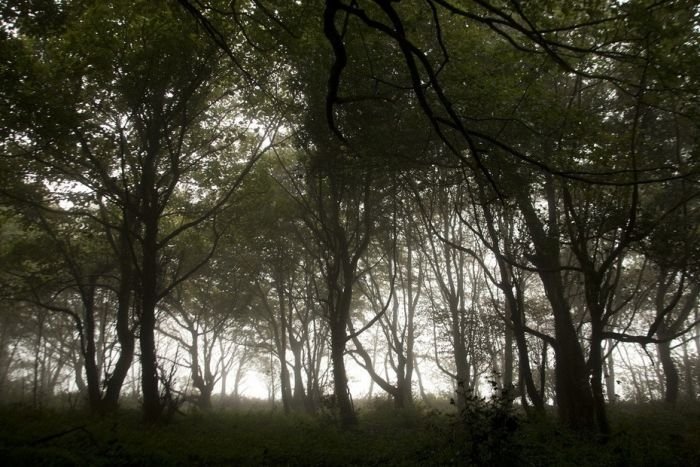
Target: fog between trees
{"points": [[469, 192]]}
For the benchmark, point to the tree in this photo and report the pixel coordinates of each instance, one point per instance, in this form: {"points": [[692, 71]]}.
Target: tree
{"points": [[145, 117], [394, 296]]}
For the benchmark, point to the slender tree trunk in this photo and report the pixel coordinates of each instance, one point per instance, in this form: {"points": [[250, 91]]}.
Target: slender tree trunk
{"points": [[152, 406], [238, 378], [299, 397], [610, 379], [696, 374], [224, 377], [281, 340], [404, 397], [340, 300], [7, 365], [671, 376], [87, 337], [507, 377], [285, 384], [421, 388], [374, 358], [341, 276], [5, 354], [460, 355], [340, 379], [199, 381], [405, 383], [688, 367], [37, 383], [78, 368], [596, 365], [125, 336], [514, 302]]}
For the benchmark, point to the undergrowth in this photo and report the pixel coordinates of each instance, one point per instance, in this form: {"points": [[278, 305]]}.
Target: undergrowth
{"points": [[485, 432]]}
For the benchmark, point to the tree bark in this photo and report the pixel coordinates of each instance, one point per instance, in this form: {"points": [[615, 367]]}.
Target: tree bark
{"points": [[299, 397], [610, 378], [671, 376], [514, 304], [87, 336], [575, 402], [340, 379], [125, 336], [152, 406]]}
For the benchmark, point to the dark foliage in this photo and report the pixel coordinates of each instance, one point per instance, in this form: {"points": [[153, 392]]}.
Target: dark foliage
{"points": [[487, 432]]}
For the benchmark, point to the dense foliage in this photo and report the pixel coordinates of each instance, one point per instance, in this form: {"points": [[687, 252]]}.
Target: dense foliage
{"points": [[435, 200]]}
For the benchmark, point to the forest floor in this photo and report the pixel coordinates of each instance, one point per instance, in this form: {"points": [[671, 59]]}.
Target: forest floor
{"points": [[642, 435]]}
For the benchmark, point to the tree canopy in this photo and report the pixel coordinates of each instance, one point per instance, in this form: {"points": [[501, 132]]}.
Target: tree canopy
{"points": [[462, 192]]}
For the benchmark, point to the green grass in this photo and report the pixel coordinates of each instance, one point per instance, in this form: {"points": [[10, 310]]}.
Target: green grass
{"points": [[647, 435]]}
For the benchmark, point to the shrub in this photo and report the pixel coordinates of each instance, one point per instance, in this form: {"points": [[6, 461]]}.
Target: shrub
{"points": [[485, 429]]}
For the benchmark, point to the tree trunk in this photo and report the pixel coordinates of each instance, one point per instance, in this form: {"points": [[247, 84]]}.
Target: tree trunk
{"points": [[403, 398], [37, 383], [285, 378], [397, 393], [610, 379], [152, 406], [299, 398], [340, 379], [204, 400], [575, 402], [200, 380], [671, 377], [461, 360], [149, 367], [688, 367], [421, 388], [696, 374], [405, 377], [340, 280], [507, 377], [596, 365], [125, 336], [238, 378], [92, 375], [514, 303], [574, 396]]}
